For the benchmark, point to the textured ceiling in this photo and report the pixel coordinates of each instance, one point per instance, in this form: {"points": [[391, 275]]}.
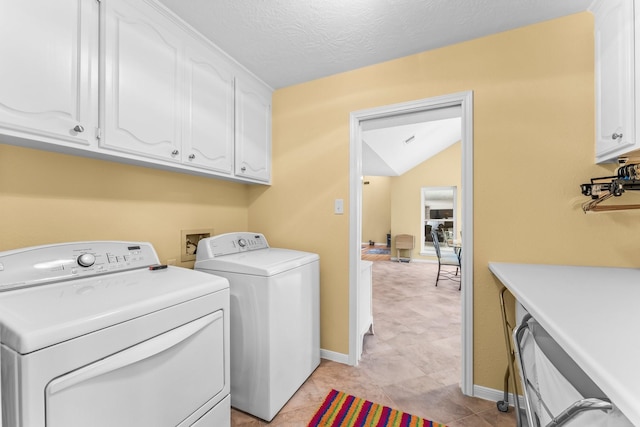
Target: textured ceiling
{"points": [[285, 42]]}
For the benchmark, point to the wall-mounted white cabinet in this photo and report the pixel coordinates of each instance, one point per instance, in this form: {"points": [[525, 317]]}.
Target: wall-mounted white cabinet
{"points": [[209, 111], [167, 94], [142, 98], [48, 79], [167, 97], [253, 131], [617, 85]]}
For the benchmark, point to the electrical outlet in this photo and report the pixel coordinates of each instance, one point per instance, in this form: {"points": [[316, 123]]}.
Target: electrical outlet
{"points": [[189, 242]]}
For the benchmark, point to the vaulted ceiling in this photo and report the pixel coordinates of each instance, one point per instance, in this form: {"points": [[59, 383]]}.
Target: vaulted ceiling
{"points": [[394, 145]]}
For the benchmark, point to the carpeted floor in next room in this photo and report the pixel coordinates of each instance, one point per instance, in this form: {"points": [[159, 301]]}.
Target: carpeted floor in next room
{"points": [[411, 364]]}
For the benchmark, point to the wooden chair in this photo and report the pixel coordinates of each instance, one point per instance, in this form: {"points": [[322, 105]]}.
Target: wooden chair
{"points": [[404, 242]]}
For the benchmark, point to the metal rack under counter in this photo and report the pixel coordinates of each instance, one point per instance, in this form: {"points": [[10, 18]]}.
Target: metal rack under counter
{"points": [[584, 310]]}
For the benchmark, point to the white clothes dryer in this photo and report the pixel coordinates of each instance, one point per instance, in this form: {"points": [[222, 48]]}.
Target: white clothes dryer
{"points": [[275, 317], [97, 334]]}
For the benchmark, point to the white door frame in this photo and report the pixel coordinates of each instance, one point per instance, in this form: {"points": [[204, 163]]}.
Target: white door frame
{"points": [[465, 101]]}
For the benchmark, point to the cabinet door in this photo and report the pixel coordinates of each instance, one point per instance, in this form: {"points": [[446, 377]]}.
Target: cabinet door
{"points": [[209, 132], [614, 74], [142, 57], [253, 131], [48, 79]]}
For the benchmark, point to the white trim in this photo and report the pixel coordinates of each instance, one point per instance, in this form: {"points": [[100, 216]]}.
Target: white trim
{"points": [[334, 356], [355, 233], [467, 227], [494, 395], [465, 100]]}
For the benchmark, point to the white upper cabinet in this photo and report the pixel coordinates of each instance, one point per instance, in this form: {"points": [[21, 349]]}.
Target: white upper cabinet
{"points": [[615, 77], [209, 110], [127, 80], [48, 79], [253, 131], [171, 95], [142, 100]]}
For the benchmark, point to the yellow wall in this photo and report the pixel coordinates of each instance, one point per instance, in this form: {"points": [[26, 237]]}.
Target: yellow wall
{"points": [[441, 170], [533, 146], [49, 198], [376, 208]]}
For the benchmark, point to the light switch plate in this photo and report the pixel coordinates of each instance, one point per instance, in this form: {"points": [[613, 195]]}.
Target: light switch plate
{"points": [[338, 207]]}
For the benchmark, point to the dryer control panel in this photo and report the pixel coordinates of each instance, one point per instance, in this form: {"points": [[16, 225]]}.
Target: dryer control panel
{"points": [[230, 243], [52, 263]]}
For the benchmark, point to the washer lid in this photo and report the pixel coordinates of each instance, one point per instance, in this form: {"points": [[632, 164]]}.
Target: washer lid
{"points": [[37, 317], [264, 262]]}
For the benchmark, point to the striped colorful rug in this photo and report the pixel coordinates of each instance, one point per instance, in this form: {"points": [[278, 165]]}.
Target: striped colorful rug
{"points": [[344, 410]]}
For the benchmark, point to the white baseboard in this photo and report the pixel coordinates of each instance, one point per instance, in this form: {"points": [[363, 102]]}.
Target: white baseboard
{"points": [[493, 395], [334, 356]]}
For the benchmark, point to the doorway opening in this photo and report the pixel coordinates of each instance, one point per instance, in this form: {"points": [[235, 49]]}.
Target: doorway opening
{"points": [[464, 100]]}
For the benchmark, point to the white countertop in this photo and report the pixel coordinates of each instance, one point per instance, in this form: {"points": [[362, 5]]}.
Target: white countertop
{"points": [[594, 314]]}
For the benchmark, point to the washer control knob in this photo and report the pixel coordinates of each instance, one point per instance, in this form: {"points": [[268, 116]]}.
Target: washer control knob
{"points": [[86, 260], [242, 243]]}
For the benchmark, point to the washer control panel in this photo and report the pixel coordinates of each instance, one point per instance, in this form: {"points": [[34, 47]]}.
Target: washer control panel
{"points": [[230, 243], [53, 263]]}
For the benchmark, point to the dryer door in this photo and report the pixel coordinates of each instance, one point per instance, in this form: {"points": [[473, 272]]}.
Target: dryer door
{"points": [[147, 384]]}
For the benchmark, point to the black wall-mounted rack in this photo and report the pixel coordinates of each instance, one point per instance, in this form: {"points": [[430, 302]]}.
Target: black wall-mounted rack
{"points": [[627, 178]]}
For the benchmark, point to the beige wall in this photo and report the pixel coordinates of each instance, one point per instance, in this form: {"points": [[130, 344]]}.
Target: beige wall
{"points": [[376, 208], [48, 198], [533, 146], [442, 170]]}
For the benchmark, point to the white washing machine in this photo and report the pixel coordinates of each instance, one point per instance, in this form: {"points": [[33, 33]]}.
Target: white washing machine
{"points": [[97, 334], [275, 317]]}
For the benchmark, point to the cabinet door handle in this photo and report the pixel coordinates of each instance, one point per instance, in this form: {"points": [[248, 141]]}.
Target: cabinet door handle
{"points": [[243, 169], [79, 128], [616, 135], [192, 156], [175, 152]]}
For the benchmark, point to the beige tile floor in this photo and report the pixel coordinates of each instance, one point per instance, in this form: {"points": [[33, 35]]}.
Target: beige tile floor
{"points": [[412, 363]]}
